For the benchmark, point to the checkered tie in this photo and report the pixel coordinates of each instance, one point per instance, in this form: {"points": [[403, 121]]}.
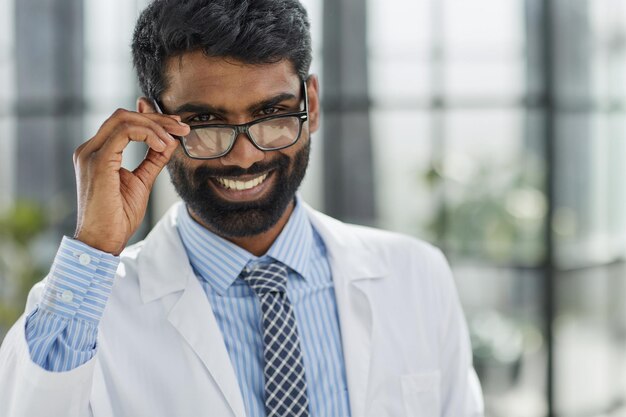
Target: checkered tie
{"points": [[285, 383]]}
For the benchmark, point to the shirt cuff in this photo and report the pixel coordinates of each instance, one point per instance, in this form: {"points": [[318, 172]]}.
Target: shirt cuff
{"points": [[80, 282]]}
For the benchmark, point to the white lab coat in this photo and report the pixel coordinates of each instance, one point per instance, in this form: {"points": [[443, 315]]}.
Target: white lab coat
{"points": [[161, 353]]}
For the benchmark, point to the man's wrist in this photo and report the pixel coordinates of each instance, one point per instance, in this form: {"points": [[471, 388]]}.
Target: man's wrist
{"points": [[97, 243]]}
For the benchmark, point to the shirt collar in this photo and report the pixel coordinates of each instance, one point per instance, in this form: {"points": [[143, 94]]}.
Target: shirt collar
{"points": [[294, 245], [220, 262]]}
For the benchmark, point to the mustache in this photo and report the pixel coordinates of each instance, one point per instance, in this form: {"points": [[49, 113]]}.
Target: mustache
{"points": [[202, 173]]}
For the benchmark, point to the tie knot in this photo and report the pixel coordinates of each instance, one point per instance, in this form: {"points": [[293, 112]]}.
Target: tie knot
{"points": [[267, 278]]}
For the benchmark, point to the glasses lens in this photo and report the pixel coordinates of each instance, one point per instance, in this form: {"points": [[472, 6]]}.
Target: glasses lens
{"points": [[208, 141], [276, 133]]}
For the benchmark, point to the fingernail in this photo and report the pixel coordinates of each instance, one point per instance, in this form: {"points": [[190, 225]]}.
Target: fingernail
{"points": [[181, 123]]}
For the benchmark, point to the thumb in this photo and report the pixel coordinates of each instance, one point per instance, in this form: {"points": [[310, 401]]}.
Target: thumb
{"points": [[153, 164]]}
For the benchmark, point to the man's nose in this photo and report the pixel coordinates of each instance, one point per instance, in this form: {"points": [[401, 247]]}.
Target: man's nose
{"points": [[243, 154]]}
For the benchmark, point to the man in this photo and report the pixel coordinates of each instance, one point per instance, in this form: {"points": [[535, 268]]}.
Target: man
{"points": [[242, 301]]}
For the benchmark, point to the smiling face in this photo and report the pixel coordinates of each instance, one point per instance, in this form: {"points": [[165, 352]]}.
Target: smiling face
{"points": [[246, 192]]}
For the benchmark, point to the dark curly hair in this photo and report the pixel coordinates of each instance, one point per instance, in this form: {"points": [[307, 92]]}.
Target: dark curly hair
{"points": [[251, 31]]}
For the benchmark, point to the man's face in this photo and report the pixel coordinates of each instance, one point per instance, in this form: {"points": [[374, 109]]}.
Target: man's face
{"points": [[220, 90]]}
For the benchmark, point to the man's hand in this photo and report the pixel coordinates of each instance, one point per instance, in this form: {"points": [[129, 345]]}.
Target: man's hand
{"points": [[112, 200]]}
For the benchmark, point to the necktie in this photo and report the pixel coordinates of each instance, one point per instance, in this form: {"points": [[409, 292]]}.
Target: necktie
{"points": [[285, 382]]}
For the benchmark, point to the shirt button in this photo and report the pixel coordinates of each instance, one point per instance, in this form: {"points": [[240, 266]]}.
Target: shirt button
{"points": [[84, 259], [67, 296]]}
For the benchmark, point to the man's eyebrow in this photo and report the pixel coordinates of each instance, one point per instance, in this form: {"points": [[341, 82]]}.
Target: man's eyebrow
{"points": [[271, 102], [198, 108]]}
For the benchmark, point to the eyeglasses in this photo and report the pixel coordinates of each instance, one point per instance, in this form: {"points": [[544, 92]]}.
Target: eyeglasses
{"points": [[271, 133]]}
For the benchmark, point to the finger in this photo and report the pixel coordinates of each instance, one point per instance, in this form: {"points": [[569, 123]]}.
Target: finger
{"points": [[153, 164], [124, 119], [127, 133], [170, 122], [78, 151], [163, 125]]}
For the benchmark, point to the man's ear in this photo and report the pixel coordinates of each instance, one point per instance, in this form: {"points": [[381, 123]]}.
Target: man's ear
{"points": [[312, 86], [145, 105]]}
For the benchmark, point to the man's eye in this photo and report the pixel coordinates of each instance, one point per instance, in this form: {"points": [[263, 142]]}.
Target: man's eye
{"points": [[269, 111], [202, 118]]}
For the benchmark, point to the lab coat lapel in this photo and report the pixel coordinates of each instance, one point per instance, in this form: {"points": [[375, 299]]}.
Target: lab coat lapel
{"points": [[163, 272], [193, 317], [354, 269]]}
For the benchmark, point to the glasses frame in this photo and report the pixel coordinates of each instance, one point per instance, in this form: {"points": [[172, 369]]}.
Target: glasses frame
{"points": [[302, 115]]}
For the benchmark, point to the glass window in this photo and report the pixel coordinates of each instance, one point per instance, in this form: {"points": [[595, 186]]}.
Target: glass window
{"points": [[458, 160], [590, 341], [7, 126]]}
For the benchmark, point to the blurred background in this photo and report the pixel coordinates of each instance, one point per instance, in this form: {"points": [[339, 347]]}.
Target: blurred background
{"points": [[495, 129]]}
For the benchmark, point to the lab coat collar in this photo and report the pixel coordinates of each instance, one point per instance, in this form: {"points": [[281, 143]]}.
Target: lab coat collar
{"points": [[356, 268], [345, 247], [166, 267], [163, 263]]}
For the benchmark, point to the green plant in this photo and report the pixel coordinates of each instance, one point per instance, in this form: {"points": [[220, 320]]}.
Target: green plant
{"points": [[21, 227], [493, 212]]}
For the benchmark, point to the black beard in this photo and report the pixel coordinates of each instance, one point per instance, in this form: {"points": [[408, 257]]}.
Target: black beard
{"points": [[240, 219]]}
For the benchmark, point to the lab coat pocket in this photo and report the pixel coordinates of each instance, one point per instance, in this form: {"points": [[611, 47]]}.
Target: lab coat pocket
{"points": [[420, 393]]}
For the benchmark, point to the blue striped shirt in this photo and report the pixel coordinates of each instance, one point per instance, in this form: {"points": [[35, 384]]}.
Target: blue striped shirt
{"points": [[218, 264], [62, 331]]}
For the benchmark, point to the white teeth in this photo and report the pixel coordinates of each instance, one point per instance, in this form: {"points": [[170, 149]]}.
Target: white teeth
{"points": [[241, 185]]}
